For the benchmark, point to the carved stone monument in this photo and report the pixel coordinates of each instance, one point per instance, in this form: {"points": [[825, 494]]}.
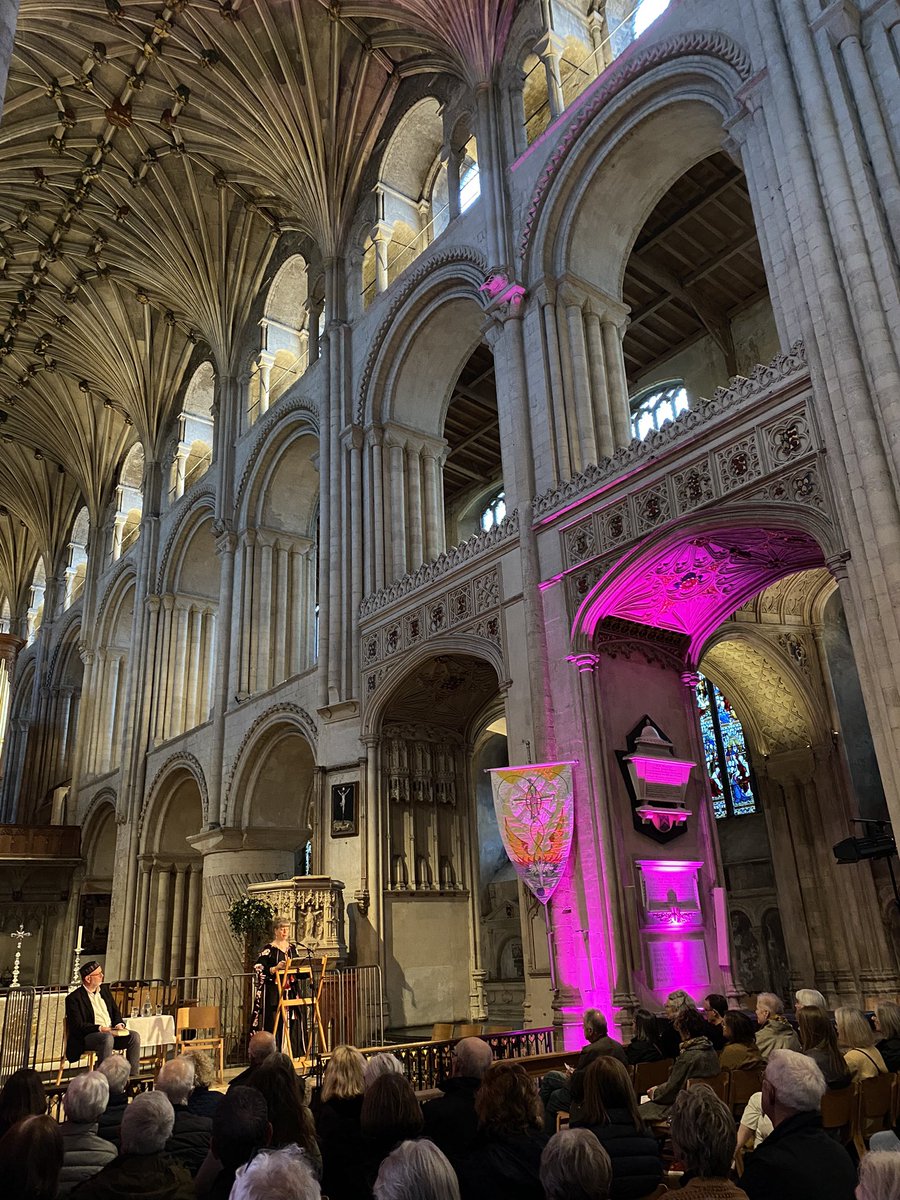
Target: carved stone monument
{"points": [[313, 905]]}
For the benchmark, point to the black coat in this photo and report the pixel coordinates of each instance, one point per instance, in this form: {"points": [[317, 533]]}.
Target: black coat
{"points": [[203, 1103], [109, 1122], [890, 1052], [640, 1050], [450, 1120], [634, 1153], [343, 1148], [80, 1018], [502, 1167], [799, 1161], [189, 1142], [593, 1050]]}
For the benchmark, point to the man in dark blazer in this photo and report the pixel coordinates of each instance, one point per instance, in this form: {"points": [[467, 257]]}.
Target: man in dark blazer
{"points": [[94, 1022]]}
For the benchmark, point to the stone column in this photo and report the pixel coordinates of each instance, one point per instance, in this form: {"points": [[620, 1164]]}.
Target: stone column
{"points": [[603, 424], [549, 51], [143, 918], [283, 609], [617, 384], [381, 239], [162, 919], [398, 506], [176, 955], [8, 13], [182, 451], [192, 923], [581, 381], [377, 544]]}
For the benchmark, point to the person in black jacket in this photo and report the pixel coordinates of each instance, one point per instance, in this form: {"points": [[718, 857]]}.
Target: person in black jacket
{"points": [[562, 1093], [798, 1160], [504, 1162], [887, 1026], [450, 1120], [609, 1110], [644, 1046], [94, 1022], [189, 1141]]}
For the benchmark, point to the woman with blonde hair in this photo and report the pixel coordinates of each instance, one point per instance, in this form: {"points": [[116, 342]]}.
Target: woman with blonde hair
{"points": [[857, 1043], [337, 1123]]}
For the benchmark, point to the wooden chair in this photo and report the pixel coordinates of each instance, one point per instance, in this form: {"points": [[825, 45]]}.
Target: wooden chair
{"points": [[718, 1083], [837, 1112], [743, 1082], [562, 1121], [650, 1074], [874, 1105], [470, 1031], [203, 1022], [442, 1031], [64, 1062]]}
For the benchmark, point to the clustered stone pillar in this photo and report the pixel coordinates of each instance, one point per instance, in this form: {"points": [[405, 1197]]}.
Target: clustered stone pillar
{"points": [[168, 918]]}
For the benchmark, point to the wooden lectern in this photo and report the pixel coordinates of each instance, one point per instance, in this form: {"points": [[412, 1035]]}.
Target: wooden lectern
{"points": [[290, 978]]}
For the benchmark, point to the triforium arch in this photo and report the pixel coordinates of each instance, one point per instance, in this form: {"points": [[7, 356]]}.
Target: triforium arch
{"points": [[105, 677], [685, 597], [170, 872]]}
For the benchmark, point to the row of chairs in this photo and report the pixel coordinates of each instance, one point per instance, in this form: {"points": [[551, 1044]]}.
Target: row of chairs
{"points": [[197, 1027]]}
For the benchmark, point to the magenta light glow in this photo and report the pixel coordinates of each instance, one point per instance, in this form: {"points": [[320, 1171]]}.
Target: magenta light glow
{"points": [[672, 772]]}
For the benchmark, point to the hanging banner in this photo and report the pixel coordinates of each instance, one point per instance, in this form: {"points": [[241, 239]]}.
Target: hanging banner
{"points": [[535, 812]]}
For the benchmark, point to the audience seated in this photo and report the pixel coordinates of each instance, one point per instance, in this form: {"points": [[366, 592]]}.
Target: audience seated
{"points": [[203, 1101], [84, 1153], [798, 1160], [390, 1114], [574, 1166], [879, 1177], [289, 1115], [283, 1174], [774, 1032], [670, 1042], [857, 1043], [818, 1041], [117, 1071], [261, 1045], [504, 1162], [189, 1142], [696, 1060], [740, 1048], [644, 1046], [23, 1095], [887, 1027], [704, 1138], [609, 1110], [142, 1170], [240, 1128], [381, 1064], [416, 1171], [337, 1123], [562, 1093], [715, 1007], [450, 1120], [31, 1155]]}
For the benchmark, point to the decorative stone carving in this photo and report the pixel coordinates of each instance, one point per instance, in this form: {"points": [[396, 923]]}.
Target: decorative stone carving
{"points": [[314, 906]]}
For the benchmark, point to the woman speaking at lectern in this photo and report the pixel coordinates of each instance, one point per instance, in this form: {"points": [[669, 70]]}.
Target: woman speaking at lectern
{"points": [[265, 998]]}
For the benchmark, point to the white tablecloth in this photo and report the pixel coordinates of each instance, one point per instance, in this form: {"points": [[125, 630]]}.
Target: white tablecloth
{"points": [[153, 1031]]}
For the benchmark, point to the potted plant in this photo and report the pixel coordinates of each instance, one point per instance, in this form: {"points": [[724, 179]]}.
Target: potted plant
{"points": [[250, 920]]}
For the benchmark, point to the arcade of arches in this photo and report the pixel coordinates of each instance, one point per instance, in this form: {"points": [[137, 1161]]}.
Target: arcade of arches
{"points": [[518, 413]]}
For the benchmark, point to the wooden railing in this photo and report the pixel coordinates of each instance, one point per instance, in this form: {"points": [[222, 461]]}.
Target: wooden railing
{"points": [[40, 841], [426, 1063]]}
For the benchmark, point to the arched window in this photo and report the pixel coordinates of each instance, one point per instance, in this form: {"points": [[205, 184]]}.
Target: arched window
{"points": [[129, 502], [194, 432], [494, 512], [35, 614], [469, 181], [652, 407], [284, 338], [725, 749], [76, 564]]}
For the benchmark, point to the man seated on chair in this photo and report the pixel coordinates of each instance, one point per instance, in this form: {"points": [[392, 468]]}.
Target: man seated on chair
{"points": [[95, 1023]]}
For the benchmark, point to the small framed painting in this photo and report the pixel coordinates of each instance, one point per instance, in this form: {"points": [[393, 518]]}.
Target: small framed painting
{"points": [[344, 805]]}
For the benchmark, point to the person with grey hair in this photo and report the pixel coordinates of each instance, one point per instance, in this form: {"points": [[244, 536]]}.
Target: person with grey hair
{"points": [[574, 1166], [260, 1047], [704, 1137], [285, 1173], [774, 1032], [879, 1176], [84, 1153], [189, 1141], [416, 1170], [117, 1071], [670, 1040], [381, 1064], [798, 1160], [450, 1120], [562, 1093], [809, 998], [142, 1170]]}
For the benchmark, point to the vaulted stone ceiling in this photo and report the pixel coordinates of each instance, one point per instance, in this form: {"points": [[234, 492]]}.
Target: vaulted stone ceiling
{"points": [[151, 155]]}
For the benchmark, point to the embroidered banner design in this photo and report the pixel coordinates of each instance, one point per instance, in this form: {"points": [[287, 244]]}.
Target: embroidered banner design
{"points": [[536, 817]]}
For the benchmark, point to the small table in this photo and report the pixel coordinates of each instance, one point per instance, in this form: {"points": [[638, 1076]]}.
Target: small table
{"points": [[155, 1033]]}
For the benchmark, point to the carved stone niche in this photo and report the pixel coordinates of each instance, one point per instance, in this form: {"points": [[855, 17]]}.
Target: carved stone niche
{"points": [[313, 906]]}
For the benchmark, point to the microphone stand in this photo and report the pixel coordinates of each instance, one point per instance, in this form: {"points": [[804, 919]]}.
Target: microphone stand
{"points": [[315, 1055]]}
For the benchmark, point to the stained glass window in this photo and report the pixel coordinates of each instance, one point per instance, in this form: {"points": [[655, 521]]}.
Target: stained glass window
{"points": [[725, 750]]}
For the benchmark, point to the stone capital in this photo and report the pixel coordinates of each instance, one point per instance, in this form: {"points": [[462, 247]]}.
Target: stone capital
{"points": [[10, 645], [841, 20], [586, 663]]}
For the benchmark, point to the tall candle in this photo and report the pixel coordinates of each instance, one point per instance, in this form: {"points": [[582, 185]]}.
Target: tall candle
{"points": [[80, 931]]}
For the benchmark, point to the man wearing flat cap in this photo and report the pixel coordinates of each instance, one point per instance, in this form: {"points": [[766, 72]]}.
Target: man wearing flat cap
{"points": [[95, 1023]]}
